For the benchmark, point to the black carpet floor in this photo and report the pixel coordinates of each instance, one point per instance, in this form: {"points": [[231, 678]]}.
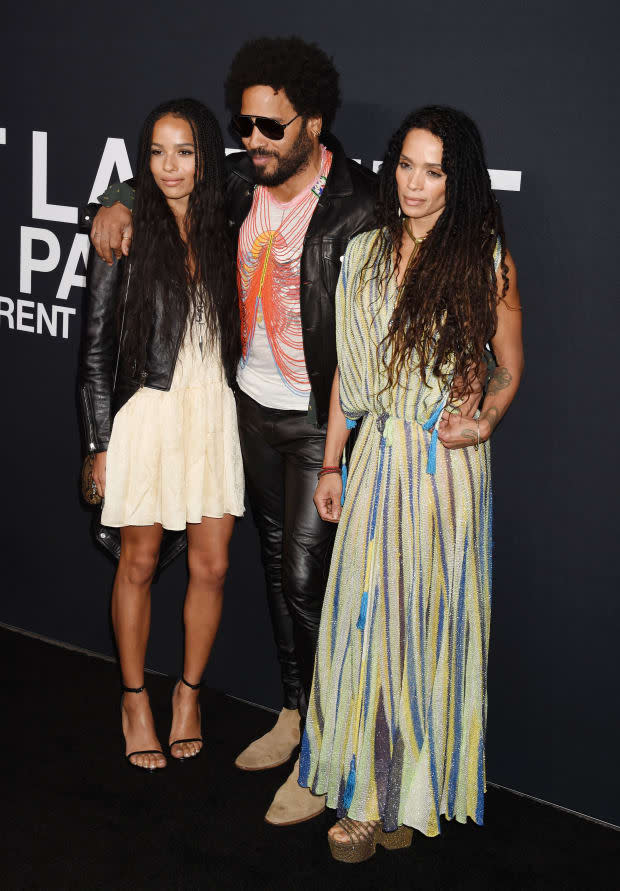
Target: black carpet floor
{"points": [[76, 817]]}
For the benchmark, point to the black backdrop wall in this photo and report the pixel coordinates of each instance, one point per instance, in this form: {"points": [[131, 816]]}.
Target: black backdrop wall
{"points": [[539, 79]]}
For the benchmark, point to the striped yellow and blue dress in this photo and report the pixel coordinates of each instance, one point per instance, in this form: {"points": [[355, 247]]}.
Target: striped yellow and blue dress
{"points": [[396, 720]]}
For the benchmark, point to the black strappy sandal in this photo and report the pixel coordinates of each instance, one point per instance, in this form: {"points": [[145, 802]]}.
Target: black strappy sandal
{"points": [[142, 751], [176, 742]]}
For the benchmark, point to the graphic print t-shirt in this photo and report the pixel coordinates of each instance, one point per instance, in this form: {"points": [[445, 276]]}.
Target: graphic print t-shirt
{"points": [[273, 370]]}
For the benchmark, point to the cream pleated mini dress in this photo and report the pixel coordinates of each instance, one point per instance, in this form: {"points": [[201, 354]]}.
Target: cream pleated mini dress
{"points": [[174, 456]]}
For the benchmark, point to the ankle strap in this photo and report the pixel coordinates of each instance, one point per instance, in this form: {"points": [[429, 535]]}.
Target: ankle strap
{"points": [[193, 686], [132, 689]]}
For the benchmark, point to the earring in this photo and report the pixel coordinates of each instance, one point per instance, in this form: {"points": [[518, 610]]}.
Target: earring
{"points": [[400, 213]]}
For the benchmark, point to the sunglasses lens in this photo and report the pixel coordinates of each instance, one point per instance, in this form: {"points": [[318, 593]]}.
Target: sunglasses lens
{"points": [[270, 128], [242, 126]]}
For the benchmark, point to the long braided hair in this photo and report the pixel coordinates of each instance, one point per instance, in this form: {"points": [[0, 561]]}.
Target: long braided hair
{"points": [[197, 273], [446, 310]]}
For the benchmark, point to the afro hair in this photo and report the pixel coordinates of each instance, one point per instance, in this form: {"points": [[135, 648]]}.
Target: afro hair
{"points": [[305, 73]]}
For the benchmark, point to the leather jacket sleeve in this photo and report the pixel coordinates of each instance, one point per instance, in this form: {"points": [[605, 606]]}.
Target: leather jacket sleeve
{"points": [[99, 352]]}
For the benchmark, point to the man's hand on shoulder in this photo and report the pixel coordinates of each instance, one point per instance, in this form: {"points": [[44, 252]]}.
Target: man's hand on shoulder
{"points": [[112, 232]]}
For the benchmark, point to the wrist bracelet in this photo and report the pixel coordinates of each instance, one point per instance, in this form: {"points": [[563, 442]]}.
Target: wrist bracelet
{"points": [[478, 430], [325, 470]]}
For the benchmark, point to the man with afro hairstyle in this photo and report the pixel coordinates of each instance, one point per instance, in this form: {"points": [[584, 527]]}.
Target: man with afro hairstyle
{"points": [[294, 202]]}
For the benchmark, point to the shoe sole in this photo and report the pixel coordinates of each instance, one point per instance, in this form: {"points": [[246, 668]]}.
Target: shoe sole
{"points": [[348, 853], [393, 841], [345, 852], [295, 822]]}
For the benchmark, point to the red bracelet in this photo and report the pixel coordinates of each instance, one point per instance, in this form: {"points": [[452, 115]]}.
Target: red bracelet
{"points": [[325, 470]]}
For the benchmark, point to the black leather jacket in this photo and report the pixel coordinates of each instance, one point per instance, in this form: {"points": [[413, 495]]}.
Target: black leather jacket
{"points": [[345, 209], [104, 388], [105, 385]]}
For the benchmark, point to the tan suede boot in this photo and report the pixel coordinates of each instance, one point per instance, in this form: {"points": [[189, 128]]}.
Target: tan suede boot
{"points": [[292, 804], [275, 747]]}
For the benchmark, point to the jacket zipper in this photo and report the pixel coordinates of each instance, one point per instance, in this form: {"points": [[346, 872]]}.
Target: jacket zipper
{"points": [[90, 431]]}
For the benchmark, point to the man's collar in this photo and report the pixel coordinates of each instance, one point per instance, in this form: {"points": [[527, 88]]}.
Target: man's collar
{"points": [[338, 183], [240, 164]]}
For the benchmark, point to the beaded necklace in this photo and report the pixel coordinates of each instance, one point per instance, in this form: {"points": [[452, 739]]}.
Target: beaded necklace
{"points": [[268, 276]]}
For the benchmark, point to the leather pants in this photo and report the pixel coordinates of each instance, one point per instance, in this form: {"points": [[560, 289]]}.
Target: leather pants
{"points": [[282, 452]]}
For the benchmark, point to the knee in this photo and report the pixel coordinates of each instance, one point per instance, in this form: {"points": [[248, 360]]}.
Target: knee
{"points": [[208, 570], [139, 566], [305, 567], [303, 585]]}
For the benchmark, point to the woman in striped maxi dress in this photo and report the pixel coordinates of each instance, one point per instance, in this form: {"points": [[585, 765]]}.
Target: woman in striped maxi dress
{"points": [[396, 722]]}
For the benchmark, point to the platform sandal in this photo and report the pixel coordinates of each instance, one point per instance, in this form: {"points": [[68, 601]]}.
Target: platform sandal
{"points": [[176, 742], [141, 751], [364, 838]]}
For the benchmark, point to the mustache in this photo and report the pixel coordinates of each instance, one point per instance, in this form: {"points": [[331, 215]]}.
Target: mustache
{"points": [[262, 153]]}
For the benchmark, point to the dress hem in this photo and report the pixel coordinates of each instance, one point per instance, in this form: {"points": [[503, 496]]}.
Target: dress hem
{"points": [[332, 802], [211, 516]]}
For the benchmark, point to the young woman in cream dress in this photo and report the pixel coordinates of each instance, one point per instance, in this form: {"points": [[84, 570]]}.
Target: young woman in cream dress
{"points": [[161, 346]]}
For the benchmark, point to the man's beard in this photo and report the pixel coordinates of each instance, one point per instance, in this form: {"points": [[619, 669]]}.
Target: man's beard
{"points": [[297, 160]]}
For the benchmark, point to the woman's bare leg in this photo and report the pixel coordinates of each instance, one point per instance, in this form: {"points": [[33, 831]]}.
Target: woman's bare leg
{"points": [[208, 561], [131, 618]]}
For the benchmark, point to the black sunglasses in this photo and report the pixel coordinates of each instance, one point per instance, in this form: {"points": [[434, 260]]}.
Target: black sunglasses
{"points": [[244, 124]]}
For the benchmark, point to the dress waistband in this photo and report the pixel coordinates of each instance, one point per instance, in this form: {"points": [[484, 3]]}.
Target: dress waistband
{"points": [[385, 420]]}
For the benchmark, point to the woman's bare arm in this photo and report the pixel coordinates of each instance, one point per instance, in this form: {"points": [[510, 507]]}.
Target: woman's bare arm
{"points": [[456, 432], [329, 490]]}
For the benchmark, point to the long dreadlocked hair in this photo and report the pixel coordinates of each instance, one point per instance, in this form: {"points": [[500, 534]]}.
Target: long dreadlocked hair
{"points": [[446, 310], [198, 272]]}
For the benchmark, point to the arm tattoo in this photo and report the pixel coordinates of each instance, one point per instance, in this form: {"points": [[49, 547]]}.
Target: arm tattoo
{"points": [[500, 379], [492, 416], [472, 435]]}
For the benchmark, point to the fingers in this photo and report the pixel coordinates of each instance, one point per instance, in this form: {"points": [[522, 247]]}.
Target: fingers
{"points": [[101, 242], [126, 240], [448, 436], [115, 236], [111, 236], [99, 481], [455, 439], [96, 239], [328, 507], [323, 506], [333, 509], [99, 472], [446, 433], [331, 514]]}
